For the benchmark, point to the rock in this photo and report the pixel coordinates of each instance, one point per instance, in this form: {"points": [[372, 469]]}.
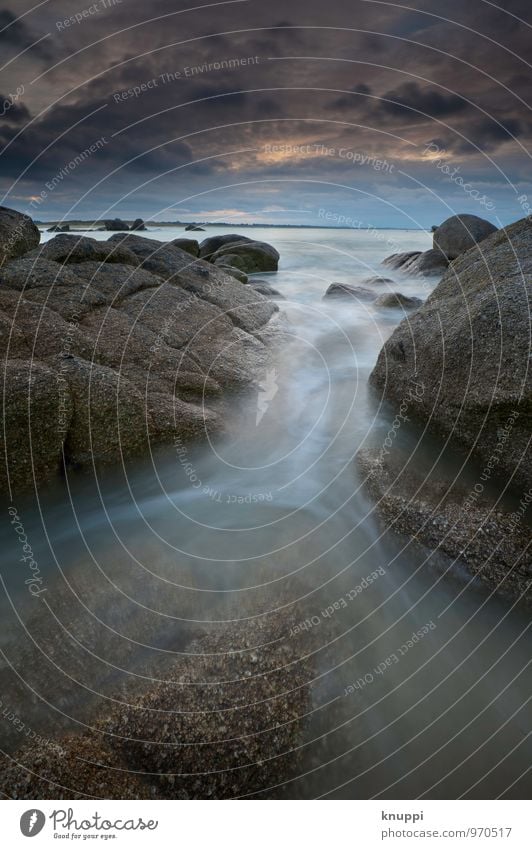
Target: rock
{"points": [[253, 256], [18, 234], [239, 722], [191, 246], [114, 356], [73, 767], [469, 344], [194, 227], [266, 290], [37, 411], [437, 514], [246, 308], [138, 224], [205, 722], [116, 224], [59, 228], [234, 271], [209, 246], [74, 249], [427, 264], [460, 232], [345, 290], [398, 260], [397, 300], [377, 281], [230, 261]]}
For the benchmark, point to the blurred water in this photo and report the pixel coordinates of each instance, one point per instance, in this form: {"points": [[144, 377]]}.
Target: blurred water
{"points": [[274, 516]]}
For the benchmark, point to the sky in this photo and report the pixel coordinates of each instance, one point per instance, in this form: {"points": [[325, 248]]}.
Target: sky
{"points": [[319, 112]]}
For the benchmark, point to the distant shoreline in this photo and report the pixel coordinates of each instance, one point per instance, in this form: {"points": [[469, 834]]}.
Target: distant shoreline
{"points": [[154, 225]]}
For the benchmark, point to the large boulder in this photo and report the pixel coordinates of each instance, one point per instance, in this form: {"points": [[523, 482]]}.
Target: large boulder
{"points": [[469, 347], [138, 224], [110, 347], [253, 256], [266, 290], [70, 248], [209, 246], [18, 234], [460, 232]]}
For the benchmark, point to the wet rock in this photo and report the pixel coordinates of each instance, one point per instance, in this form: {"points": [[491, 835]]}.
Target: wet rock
{"points": [[441, 516], [195, 227], [252, 256], [469, 344], [74, 767], [345, 291], [59, 228], [226, 264], [398, 260], [191, 246], [116, 224], [209, 246], [377, 281], [428, 264], [18, 234], [37, 413], [70, 248], [460, 232], [397, 300], [138, 224], [116, 346], [267, 290]]}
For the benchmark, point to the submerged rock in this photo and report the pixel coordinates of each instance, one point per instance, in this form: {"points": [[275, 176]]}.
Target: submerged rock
{"points": [[209, 246], [233, 270]]}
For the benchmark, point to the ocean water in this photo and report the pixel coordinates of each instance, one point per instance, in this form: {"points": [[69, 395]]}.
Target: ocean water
{"points": [[274, 517]]}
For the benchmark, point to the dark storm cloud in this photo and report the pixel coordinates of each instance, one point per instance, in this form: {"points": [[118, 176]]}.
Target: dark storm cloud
{"points": [[16, 36], [414, 102], [407, 77], [346, 101]]}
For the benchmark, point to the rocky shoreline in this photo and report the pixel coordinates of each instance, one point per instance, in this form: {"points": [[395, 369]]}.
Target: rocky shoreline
{"points": [[467, 351], [112, 347]]}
